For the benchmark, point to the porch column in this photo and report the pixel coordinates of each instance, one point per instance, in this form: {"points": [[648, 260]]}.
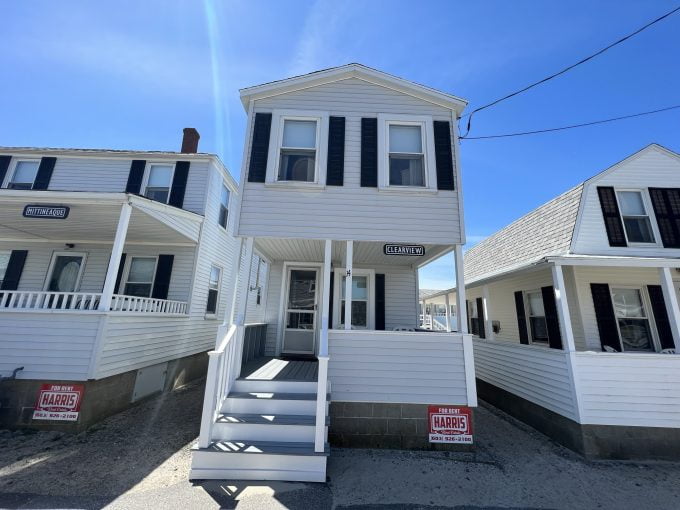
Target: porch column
{"points": [[326, 298], [348, 285], [671, 300], [448, 313], [563, 308], [488, 327], [114, 261], [460, 289]]}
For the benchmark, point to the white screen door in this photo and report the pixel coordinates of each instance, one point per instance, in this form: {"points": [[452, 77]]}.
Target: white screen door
{"points": [[299, 333]]}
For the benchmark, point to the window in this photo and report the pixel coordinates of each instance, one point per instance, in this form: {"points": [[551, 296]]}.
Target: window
{"points": [[632, 319], [213, 290], [406, 156], [474, 317], [4, 262], [298, 151], [65, 271], [24, 175], [141, 272], [537, 323], [359, 301], [158, 182], [635, 218], [224, 206]]}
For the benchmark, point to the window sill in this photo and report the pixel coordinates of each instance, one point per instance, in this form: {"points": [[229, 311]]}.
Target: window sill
{"points": [[210, 316], [407, 190], [296, 185]]}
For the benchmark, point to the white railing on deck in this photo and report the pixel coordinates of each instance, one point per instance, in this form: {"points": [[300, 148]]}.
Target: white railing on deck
{"points": [[223, 364], [43, 300], [121, 303]]}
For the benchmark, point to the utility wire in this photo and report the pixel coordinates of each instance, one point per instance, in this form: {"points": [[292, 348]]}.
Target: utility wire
{"points": [[522, 133], [566, 69]]}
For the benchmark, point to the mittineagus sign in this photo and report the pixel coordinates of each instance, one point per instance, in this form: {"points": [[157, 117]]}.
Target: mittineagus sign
{"points": [[57, 212], [407, 250]]}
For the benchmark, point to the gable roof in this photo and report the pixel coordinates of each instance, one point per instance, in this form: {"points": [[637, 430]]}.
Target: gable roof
{"points": [[353, 70]]}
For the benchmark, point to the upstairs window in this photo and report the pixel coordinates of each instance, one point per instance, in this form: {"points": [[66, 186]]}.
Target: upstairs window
{"points": [[635, 217], [298, 151], [224, 207], [24, 175], [141, 272], [406, 156], [213, 290], [537, 322], [159, 180]]}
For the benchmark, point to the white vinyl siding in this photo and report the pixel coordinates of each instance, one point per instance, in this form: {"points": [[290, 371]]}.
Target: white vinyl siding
{"points": [[350, 211]]}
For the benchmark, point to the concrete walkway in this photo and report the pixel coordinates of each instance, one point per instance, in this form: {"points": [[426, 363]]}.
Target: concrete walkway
{"points": [[140, 459]]}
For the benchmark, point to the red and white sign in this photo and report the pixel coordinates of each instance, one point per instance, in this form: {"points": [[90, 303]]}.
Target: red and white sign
{"points": [[58, 402], [450, 424]]}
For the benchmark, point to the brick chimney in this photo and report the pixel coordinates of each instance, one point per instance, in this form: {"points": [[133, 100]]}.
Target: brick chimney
{"points": [[190, 141]]}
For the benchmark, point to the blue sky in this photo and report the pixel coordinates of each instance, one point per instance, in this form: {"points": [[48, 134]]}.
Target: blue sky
{"points": [[130, 74]]}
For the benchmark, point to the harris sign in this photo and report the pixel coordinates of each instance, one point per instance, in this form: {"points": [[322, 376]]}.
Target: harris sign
{"points": [[56, 212]]}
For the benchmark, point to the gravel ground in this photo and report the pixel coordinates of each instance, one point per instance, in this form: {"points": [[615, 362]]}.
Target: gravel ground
{"points": [[140, 459]]}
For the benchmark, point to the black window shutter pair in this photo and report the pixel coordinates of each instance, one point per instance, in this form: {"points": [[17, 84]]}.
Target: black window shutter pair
{"points": [[259, 150], [551, 317], [177, 188], [666, 205], [42, 177], [15, 267], [442, 152]]}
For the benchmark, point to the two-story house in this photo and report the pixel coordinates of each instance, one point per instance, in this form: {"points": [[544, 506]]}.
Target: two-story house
{"points": [[115, 273], [574, 308], [350, 182]]}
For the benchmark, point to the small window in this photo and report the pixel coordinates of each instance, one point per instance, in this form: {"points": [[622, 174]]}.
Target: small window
{"points": [[359, 301], [406, 156], [213, 290], [159, 182], [224, 206], [24, 175], [140, 276], [4, 262], [635, 218], [537, 323], [632, 319], [298, 151]]}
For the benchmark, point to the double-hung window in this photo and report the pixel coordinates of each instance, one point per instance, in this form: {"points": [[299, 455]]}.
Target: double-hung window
{"points": [[359, 301], [140, 276], [23, 175], [213, 290], [632, 319], [298, 151], [474, 317], [158, 182], [224, 207], [4, 262], [635, 217], [536, 312], [406, 155]]}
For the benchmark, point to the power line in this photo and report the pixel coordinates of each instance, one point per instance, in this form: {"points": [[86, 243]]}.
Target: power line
{"points": [[568, 68], [522, 133]]}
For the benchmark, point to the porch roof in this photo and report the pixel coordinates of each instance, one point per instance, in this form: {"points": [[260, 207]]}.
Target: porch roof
{"points": [[93, 217]]}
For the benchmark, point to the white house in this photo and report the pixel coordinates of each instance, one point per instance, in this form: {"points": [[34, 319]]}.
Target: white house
{"points": [[575, 313], [350, 182], [116, 269]]}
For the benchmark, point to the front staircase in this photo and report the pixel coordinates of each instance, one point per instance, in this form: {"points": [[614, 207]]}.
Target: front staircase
{"points": [[263, 429]]}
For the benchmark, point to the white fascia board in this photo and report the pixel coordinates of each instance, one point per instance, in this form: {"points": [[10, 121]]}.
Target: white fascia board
{"points": [[147, 203], [106, 154], [46, 196], [613, 261]]}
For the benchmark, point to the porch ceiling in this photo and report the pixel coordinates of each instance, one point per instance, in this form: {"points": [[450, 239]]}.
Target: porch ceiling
{"points": [[365, 252]]}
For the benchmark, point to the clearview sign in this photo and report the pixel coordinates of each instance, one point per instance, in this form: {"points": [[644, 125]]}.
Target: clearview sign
{"points": [[57, 212], [450, 424], [408, 250]]}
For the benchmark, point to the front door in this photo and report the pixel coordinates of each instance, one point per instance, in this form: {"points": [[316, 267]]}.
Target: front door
{"points": [[300, 316]]}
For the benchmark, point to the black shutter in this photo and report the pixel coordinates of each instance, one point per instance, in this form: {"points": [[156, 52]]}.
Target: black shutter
{"points": [[4, 165], [335, 167], [443, 154], [612, 218], [480, 318], [134, 183], [468, 309], [119, 276], [604, 314], [369, 153], [666, 204], [663, 325], [259, 149], [179, 183], [330, 302], [15, 266], [42, 178], [521, 318], [161, 282], [551, 319], [380, 302]]}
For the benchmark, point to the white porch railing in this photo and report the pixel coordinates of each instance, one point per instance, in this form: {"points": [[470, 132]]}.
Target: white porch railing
{"points": [[223, 364], [43, 300]]}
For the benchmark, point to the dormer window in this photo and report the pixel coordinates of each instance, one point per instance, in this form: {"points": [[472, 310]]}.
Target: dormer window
{"points": [[298, 150], [24, 175], [635, 217], [158, 182]]}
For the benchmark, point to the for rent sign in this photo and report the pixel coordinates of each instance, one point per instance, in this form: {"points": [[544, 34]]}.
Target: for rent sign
{"points": [[450, 424], [58, 402]]}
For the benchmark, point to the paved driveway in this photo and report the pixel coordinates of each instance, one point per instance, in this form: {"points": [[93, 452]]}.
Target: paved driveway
{"points": [[140, 459]]}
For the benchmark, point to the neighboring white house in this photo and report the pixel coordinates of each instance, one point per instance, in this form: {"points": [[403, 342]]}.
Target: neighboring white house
{"points": [[350, 182], [575, 311], [116, 268]]}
